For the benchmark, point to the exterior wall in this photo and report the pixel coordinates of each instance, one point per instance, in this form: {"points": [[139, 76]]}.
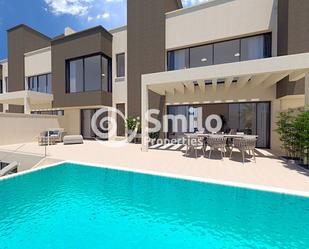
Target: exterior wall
{"points": [[220, 20], [21, 40], [119, 84], [4, 75], [38, 62], [278, 106], [92, 41], [23, 128], [71, 121], [146, 43], [293, 36], [1, 106]]}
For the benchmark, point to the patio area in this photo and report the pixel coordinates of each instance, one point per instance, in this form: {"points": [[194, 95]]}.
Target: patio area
{"points": [[269, 171]]}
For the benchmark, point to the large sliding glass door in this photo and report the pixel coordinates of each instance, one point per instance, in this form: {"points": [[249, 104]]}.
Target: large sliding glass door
{"points": [[86, 129], [251, 118]]}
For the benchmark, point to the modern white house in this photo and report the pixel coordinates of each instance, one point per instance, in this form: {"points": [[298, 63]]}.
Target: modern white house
{"points": [[243, 60]]}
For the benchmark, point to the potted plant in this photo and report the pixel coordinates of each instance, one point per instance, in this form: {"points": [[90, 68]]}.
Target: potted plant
{"points": [[153, 136], [133, 125]]}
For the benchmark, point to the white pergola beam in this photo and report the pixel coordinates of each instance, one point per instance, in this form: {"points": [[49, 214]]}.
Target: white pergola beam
{"points": [[189, 86], [297, 75], [180, 88], [214, 83], [238, 69], [242, 81], [274, 78], [228, 82], [201, 84], [258, 79]]}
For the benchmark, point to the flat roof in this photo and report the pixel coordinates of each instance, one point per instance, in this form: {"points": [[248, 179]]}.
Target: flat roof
{"points": [[196, 7], [82, 34]]}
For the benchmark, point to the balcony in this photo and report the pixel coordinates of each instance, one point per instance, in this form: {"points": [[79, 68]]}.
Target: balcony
{"points": [[29, 99]]}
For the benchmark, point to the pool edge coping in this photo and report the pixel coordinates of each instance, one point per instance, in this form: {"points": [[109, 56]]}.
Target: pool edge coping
{"points": [[277, 190]]}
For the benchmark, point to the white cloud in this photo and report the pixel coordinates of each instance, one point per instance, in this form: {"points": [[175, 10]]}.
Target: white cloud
{"points": [[105, 15], [72, 7]]}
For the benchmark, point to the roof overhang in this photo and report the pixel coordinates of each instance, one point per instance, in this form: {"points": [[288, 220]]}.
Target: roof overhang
{"points": [[18, 98], [256, 73]]}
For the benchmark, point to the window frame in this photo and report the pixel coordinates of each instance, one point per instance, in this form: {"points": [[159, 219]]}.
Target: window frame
{"points": [[268, 36], [124, 65], [37, 80], [67, 73]]}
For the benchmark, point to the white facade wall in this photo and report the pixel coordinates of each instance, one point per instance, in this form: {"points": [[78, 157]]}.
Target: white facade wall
{"points": [[119, 84], [220, 20], [37, 62]]}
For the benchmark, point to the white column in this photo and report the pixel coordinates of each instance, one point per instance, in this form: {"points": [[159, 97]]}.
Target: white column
{"points": [[307, 89], [143, 118], [27, 109]]}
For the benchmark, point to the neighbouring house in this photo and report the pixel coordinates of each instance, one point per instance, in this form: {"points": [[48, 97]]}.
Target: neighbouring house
{"points": [[243, 60]]}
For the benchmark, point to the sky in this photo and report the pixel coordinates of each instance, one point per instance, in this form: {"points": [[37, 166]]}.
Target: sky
{"points": [[50, 17]]}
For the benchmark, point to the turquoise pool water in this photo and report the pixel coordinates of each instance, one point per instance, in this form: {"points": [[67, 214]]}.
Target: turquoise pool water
{"points": [[74, 206]]}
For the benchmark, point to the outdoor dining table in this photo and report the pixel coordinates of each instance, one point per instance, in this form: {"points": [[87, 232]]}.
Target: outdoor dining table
{"points": [[224, 135]]}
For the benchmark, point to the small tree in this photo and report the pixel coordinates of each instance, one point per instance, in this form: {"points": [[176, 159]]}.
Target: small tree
{"points": [[287, 132], [301, 126]]}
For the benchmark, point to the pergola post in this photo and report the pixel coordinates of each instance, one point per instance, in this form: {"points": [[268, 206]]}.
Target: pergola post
{"points": [[27, 109], [307, 89], [145, 106]]}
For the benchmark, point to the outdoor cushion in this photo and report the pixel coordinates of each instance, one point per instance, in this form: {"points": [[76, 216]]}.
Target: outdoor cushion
{"points": [[73, 139]]}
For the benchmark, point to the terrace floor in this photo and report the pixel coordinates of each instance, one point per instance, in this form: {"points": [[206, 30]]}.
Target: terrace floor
{"points": [[268, 171]]}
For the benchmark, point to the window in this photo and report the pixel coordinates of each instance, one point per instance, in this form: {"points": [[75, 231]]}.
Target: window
{"points": [[40, 83], [178, 59], [51, 112], [106, 75], [120, 59], [6, 82], [227, 52], [76, 76], [201, 56], [247, 48], [91, 73], [256, 47], [1, 86]]}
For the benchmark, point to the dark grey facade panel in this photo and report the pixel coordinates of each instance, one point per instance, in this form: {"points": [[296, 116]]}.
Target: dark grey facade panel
{"points": [[146, 44], [293, 38], [93, 41], [21, 40]]}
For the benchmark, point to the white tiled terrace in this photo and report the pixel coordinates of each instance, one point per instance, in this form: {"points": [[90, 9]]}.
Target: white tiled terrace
{"points": [[268, 171]]}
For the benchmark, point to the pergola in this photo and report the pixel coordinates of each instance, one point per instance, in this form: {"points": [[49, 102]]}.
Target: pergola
{"points": [[256, 73]]}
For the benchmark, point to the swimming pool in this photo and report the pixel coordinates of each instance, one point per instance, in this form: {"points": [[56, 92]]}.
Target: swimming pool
{"points": [[78, 206]]}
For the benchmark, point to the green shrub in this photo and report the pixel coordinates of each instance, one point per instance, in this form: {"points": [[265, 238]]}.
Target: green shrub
{"points": [[293, 128], [132, 123]]}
